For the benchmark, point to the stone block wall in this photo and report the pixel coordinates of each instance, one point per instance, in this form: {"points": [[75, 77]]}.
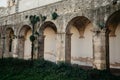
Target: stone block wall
{"points": [[97, 12]]}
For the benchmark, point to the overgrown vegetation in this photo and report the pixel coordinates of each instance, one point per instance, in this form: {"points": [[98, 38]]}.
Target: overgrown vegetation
{"points": [[54, 16], [16, 69]]}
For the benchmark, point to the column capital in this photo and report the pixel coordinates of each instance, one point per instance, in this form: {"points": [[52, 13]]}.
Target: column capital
{"points": [[96, 30], [61, 32], [70, 34]]}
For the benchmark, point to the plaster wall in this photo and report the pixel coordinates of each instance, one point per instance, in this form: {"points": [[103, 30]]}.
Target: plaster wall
{"points": [[115, 49], [81, 48], [27, 45], [15, 42], [50, 44]]}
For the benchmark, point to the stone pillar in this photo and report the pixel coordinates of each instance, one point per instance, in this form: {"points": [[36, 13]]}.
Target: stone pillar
{"points": [[68, 48], [15, 42], [6, 53], [60, 47], [99, 49], [36, 44], [41, 46], [2, 47], [21, 42]]}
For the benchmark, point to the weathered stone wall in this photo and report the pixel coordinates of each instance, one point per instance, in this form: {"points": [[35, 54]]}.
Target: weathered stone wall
{"points": [[97, 12]]}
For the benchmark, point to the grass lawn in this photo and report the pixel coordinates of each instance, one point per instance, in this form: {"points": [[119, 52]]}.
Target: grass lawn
{"points": [[16, 69]]}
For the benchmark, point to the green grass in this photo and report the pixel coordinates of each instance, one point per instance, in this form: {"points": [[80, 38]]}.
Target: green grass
{"points": [[16, 69]]}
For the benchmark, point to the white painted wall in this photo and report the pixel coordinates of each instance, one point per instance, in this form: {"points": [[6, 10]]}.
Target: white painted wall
{"points": [[27, 45], [15, 47], [81, 48], [75, 43], [115, 48], [88, 42], [50, 45], [29, 4]]}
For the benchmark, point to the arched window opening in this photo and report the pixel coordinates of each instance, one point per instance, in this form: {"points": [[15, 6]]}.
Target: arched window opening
{"points": [[10, 45]]}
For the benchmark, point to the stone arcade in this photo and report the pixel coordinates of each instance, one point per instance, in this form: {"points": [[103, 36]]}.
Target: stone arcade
{"points": [[86, 32]]}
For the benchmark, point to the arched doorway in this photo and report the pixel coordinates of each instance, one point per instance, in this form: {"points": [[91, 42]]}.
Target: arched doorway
{"points": [[48, 30], [113, 24], [24, 42], [79, 41], [9, 37]]}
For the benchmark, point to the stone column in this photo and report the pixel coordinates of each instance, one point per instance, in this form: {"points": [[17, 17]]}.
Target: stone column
{"points": [[6, 53], [60, 47], [2, 46], [41, 46], [15, 42], [99, 49], [21, 42], [68, 48], [36, 44]]}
